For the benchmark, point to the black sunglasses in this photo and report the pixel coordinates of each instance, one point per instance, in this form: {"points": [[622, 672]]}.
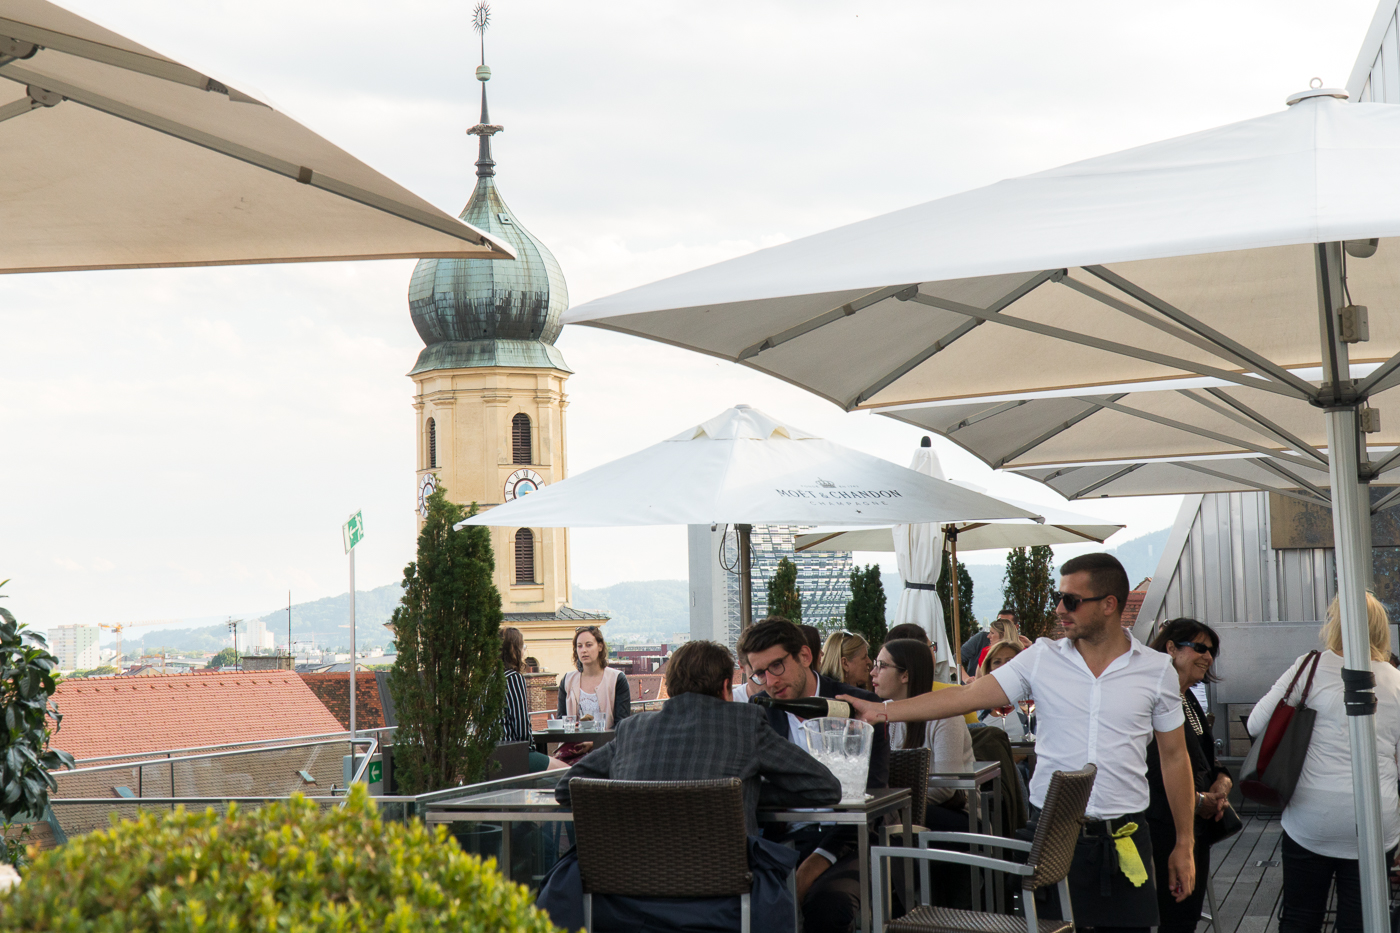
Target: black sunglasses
{"points": [[1073, 602], [1200, 647]]}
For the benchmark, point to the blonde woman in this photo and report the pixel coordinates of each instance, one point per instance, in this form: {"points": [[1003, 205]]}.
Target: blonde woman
{"points": [[846, 659], [1009, 719], [1319, 823]]}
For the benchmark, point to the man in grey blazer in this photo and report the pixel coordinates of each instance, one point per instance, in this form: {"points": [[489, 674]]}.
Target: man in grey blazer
{"points": [[699, 734]]}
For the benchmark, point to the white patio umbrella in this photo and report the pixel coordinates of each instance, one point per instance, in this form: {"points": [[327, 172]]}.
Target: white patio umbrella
{"points": [[742, 467], [115, 156], [919, 548], [1245, 253]]}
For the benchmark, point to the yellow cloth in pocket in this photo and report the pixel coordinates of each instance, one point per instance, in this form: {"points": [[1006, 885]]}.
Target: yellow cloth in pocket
{"points": [[1129, 861]]}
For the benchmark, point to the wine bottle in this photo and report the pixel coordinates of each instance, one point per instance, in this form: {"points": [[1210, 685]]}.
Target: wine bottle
{"points": [[808, 707]]}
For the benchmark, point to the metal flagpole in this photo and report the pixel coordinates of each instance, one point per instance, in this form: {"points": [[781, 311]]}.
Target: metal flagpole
{"points": [[352, 650], [1343, 444]]}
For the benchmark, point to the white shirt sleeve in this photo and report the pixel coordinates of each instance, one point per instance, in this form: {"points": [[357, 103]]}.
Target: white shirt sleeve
{"points": [[1167, 711], [1015, 675]]}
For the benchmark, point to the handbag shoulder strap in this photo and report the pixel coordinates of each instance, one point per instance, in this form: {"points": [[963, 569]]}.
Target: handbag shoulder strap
{"points": [[1311, 655], [1316, 657]]}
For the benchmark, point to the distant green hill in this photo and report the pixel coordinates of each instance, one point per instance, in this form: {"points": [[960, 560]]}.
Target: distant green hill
{"points": [[326, 621], [651, 609]]}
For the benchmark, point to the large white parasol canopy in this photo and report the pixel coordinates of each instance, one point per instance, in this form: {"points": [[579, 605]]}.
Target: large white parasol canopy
{"points": [[115, 156], [743, 466], [1241, 254]]}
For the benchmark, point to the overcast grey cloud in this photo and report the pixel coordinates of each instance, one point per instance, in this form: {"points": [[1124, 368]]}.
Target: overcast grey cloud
{"points": [[185, 443]]}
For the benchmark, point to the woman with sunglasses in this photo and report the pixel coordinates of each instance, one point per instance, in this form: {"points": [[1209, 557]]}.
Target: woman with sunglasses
{"points": [[846, 659], [1009, 719], [904, 668], [1319, 822], [1192, 647]]}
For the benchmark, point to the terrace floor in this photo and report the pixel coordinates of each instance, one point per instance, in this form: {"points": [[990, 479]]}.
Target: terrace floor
{"points": [[1247, 872]]}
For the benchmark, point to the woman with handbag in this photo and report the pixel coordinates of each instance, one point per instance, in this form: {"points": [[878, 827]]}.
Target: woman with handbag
{"points": [[1319, 819], [1192, 646]]}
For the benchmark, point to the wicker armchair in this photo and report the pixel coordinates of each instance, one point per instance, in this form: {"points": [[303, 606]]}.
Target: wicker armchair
{"points": [[1050, 854], [628, 832], [909, 768]]}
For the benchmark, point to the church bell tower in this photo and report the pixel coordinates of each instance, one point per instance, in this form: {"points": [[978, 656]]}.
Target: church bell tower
{"points": [[490, 398]]}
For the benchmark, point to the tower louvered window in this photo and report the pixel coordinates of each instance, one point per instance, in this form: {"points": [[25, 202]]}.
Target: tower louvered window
{"points": [[524, 557], [520, 438], [432, 444]]}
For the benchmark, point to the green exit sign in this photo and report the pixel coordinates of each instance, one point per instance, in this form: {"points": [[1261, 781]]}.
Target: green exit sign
{"points": [[374, 774], [353, 531]]}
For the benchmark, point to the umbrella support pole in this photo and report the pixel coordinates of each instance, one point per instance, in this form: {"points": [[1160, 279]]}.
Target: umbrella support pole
{"points": [[1347, 508], [1349, 511], [741, 533]]}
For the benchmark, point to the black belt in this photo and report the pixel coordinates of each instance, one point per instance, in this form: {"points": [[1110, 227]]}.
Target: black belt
{"points": [[1111, 826], [919, 586]]}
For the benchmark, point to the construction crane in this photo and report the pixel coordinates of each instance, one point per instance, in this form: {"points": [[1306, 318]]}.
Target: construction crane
{"points": [[120, 627]]}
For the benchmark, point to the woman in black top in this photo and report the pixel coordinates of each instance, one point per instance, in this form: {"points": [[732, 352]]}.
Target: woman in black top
{"points": [[1193, 646], [516, 718]]}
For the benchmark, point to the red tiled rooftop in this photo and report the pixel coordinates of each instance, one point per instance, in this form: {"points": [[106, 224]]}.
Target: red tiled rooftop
{"points": [[120, 715]]}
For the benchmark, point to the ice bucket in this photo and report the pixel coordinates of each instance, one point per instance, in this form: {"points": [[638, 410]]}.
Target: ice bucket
{"points": [[843, 745]]}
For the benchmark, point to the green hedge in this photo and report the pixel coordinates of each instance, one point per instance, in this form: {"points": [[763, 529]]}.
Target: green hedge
{"points": [[288, 867]]}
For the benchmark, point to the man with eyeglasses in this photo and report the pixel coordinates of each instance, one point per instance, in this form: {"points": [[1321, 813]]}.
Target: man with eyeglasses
{"points": [[828, 877], [1100, 697]]}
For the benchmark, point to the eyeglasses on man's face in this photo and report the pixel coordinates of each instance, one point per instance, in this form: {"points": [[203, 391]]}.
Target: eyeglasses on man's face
{"points": [[1073, 602], [1199, 647], [760, 677]]}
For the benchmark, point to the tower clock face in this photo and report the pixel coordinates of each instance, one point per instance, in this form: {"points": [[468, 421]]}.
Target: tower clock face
{"points": [[427, 485], [522, 483]]}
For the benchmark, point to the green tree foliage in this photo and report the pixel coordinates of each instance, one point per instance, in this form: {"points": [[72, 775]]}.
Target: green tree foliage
{"points": [[290, 866], [227, 657], [447, 683], [783, 598], [865, 613], [1029, 581], [27, 682], [967, 622]]}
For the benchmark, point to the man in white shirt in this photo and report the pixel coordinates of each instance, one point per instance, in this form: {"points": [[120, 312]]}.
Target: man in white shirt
{"points": [[1100, 698]]}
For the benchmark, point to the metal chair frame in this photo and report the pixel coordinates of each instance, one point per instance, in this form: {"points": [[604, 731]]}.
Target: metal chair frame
{"points": [[924, 855]]}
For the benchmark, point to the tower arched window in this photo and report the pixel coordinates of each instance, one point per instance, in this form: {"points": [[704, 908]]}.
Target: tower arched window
{"points": [[524, 557], [432, 444], [520, 440]]}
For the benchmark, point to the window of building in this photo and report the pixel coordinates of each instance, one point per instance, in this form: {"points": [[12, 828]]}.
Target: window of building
{"points": [[432, 444], [520, 438], [524, 557]]}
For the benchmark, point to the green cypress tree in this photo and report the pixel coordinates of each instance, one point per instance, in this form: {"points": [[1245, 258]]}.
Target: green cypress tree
{"points": [[865, 613], [1026, 588], [447, 683], [967, 622], [783, 598]]}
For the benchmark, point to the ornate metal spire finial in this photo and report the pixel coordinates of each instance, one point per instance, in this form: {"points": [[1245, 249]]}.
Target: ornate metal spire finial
{"points": [[481, 18], [485, 165]]}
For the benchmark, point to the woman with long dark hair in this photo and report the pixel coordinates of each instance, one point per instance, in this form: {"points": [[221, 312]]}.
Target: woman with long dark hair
{"points": [[1192, 646], [592, 691], [904, 668], [516, 718]]}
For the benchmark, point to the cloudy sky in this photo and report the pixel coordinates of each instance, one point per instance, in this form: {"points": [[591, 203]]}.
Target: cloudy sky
{"points": [[180, 444]]}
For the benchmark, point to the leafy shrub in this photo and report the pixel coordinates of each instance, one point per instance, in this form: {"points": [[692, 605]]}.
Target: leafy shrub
{"points": [[289, 867], [27, 681]]}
